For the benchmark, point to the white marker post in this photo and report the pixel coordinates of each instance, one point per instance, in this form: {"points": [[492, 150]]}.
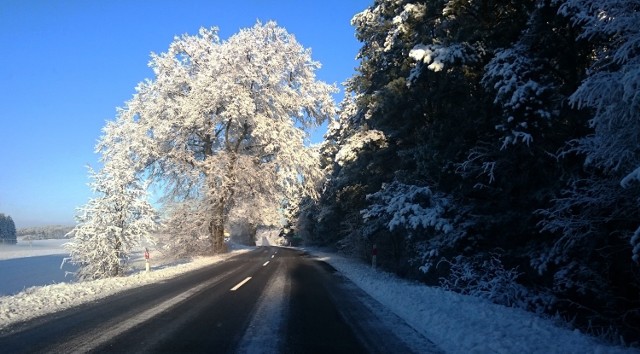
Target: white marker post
{"points": [[146, 258]]}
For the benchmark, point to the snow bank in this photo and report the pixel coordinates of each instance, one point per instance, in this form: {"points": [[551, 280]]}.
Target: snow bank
{"points": [[465, 324]]}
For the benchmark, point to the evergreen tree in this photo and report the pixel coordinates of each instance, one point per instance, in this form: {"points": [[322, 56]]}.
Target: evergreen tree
{"points": [[592, 225], [476, 118], [114, 222], [8, 233]]}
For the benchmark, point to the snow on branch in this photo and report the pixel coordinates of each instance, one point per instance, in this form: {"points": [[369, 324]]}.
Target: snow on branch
{"points": [[635, 243], [435, 56], [400, 26], [611, 87], [630, 178], [409, 207], [521, 92], [357, 143]]}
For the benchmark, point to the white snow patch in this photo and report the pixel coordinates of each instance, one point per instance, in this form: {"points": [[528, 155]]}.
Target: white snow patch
{"points": [[464, 324], [262, 335]]}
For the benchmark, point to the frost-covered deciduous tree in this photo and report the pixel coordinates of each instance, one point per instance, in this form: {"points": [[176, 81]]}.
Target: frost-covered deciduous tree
{"points": [[223, 122], [185, 228], [119, 217]]}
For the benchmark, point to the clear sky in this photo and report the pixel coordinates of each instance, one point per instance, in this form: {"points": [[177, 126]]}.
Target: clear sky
{"points": [[66, 65]]}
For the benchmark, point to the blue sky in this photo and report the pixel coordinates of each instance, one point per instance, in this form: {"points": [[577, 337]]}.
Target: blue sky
{"points": [[66, 65]]}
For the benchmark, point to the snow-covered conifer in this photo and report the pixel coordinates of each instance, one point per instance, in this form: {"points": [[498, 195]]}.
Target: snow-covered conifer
{"points": [[119, 217], [407, 207], [8, 233], [611, 151]]}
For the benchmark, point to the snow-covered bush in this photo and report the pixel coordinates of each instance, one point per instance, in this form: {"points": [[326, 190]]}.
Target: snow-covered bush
{"points": [[398, 217], [487, 278]]}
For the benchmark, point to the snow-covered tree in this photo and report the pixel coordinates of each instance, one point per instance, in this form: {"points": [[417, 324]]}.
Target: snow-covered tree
{"points": [[475, 100], [8, 233], [592, 224], [611, 92], [611, 88], [223, 122], [407, 207], [611, 151], [119, 217], [345, 158], [400, 215]]}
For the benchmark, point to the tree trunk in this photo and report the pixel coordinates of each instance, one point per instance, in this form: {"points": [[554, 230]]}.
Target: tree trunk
{"points": [[216, 229]]}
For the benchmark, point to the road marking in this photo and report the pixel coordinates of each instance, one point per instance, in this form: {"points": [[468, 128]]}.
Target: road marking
{"points": [[240, 284], [265, 263], [273, 255]]}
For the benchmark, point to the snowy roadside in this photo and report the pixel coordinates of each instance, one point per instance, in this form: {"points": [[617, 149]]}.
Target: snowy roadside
{"points": [[41, 300], [464, 324], [454, 322]]}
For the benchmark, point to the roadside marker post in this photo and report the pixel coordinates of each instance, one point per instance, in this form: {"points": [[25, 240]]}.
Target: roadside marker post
{"points": [[146, 259], [374, 256]]}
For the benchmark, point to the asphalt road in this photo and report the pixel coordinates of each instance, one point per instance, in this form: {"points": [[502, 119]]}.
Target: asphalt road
{"points": [[271, 300]]}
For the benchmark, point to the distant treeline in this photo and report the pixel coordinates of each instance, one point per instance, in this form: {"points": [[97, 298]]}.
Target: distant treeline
{"points": [[7, 230], [44, 232]]}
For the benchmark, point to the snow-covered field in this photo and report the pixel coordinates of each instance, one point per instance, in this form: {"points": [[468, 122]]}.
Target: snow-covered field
{"points": [[28, 264], [456, 323], [34, 248]]}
